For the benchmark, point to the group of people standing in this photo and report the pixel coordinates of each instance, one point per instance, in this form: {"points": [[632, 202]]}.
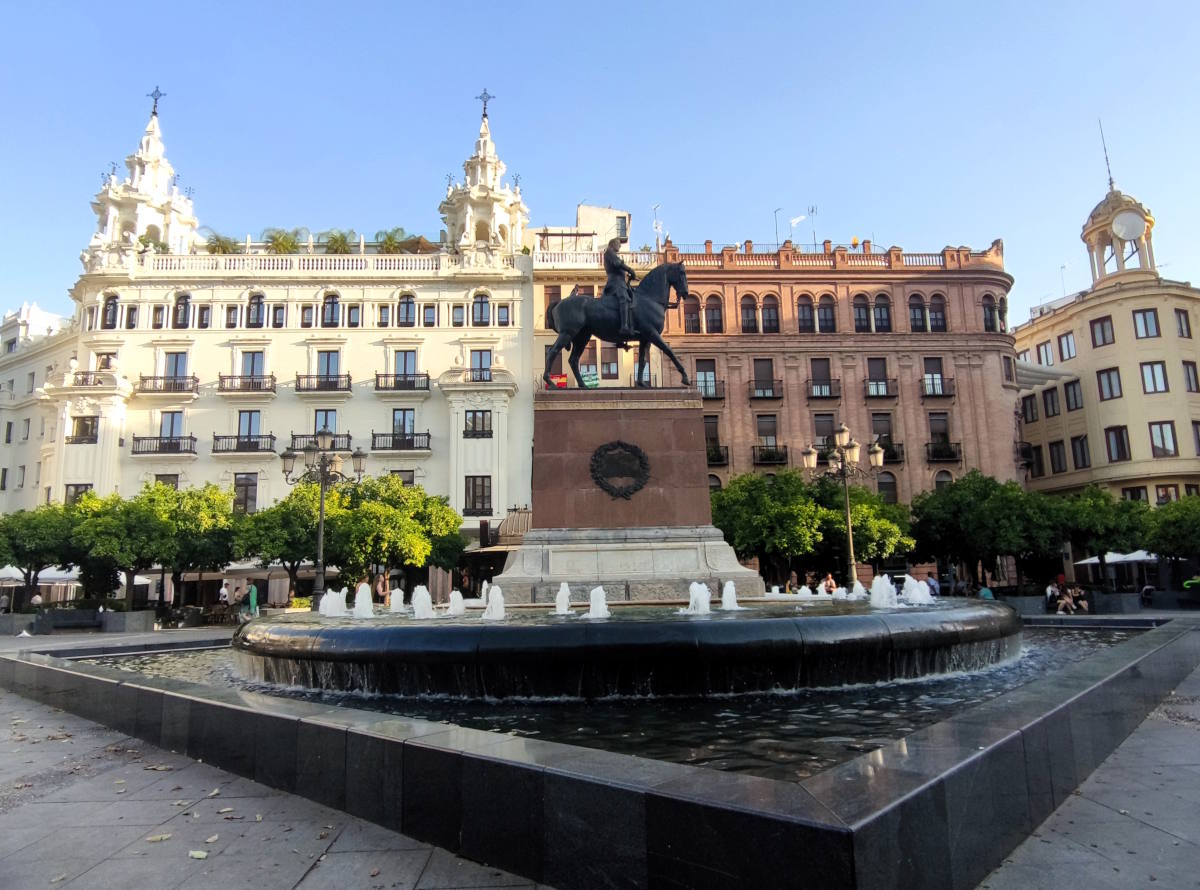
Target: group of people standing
{"points": [[245, 605]]}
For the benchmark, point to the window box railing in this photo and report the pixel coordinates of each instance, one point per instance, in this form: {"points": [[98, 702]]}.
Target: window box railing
{"points": [[893, 453], [89, 439], [480, 375], [322, 383], [943, 452], [86, 378], [477, 434], [341, 441], [766, 389], [164, 444], [245, 383], [711, 389], [718, 455], [399, 441], [933, 387], [769, 455], [824, 389], [881, 389], [401, 382], [168, 384], [242, 444], [477, 510]]}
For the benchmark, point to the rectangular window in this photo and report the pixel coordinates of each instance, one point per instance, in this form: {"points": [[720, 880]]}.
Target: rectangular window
{"points": [[253, 362], [231, 316], [883, 317], [4, 479], [203, 316], [862, 318], [706, 377], [1109, 383], [823, 431], [130, 317], [328, 361], [73, 492], [764, 378], [479, 425], [502, 316], [877, 382], [481, 365], [25, 430], [587, 361], [249, 424], [1037, 466], [712, 430], [1009, 374], [1136, 493], [804, 318], [30, 382], [822, 384], [325, 419], [749, 316], [353, 316], [1102, 331], [933, 380], [404, 421], [385, 316], [1029, 412], [21, 476], [1163, 494], [765, 429], [429, 316], [1154, 377], [1074, 393], [1189, 377], [170, 480], [826, 316], [1023, 355], [1196, 435], [1080, 455], [1162, 439], [478, 496], [1058, 457], [1050, 401], [157, 316], [407, 477], [1066, 346], [8, 431], [405, 362], [585, 290], [245, 492], [608, 363], [939, 427], [1183, 323], [278, 316], [552, 294], [1116, 440], [1145, 323], [170, 424], [306, 317], [1045, 353], [175, 364], [456, 317]]}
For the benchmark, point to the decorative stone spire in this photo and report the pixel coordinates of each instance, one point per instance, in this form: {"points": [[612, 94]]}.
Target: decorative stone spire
{"points": [[484, 213]]}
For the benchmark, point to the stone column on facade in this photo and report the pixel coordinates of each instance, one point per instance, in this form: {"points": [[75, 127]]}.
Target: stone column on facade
{"points": [[500, 457]]}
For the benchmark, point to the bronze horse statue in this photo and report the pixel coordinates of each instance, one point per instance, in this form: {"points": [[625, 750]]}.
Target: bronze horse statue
{"points": [[578, 318]]}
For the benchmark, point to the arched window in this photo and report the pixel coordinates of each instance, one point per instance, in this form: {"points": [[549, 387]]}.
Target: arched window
{"points": [[713, 321], [804, 315], [887, 488], [883, 314], [691, 315], [254, 312], [749, 316], [770, 315], [989, 314], [937, 314], [714, 482], [827, 315], [862, 315], [480, 311], [942, 479], [108, 318], [182, 314], [406, 313], [916, 314], [330, 311]]}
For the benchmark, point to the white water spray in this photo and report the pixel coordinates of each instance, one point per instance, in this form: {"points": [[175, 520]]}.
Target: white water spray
{"points": [[333, 604], [457, 606], [422, 602], [494, 611], [597, 604], [729, 601], [883, 593], [699, 600], [562, 601], [364, 606], [397, 600]]}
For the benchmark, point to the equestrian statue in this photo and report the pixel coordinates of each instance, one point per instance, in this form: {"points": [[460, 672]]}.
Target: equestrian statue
{"points": [[622, 314]]}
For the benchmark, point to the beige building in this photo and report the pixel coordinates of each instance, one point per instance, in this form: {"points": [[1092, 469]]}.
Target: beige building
{"points": [[1114, 396]]}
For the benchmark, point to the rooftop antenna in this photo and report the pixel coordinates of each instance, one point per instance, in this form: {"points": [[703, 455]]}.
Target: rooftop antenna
{"points": [[812, 216], [1103, 145], [777, 209]]}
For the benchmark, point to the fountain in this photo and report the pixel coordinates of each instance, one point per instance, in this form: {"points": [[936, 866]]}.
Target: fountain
{"points": [[562, 602], [456, 607], [699, 600], [597, 604], [364, 606], [883, 594], [494, 611], [397, 601], [333, 604], [858, 592], [422, 603], [805, 591], [729, 601], [916, 593]]}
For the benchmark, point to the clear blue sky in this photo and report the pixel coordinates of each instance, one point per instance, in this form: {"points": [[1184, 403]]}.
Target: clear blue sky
{"points": [[950, 123]]}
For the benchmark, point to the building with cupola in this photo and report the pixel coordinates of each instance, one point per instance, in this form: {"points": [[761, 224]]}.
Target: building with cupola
{"points": [[1116, 400], [190, 361]]}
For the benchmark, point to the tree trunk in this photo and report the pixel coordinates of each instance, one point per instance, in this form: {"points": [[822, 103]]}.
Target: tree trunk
{"points": [[293, 570], [130, 574]]}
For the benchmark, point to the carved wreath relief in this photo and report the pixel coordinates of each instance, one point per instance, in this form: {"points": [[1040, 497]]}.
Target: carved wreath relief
{"points": [[620, 468]]}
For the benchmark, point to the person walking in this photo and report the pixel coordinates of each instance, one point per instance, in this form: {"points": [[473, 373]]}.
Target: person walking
{"points": [[252, 597]]}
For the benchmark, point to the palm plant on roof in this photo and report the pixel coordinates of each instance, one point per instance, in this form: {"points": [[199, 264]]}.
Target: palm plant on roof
{"points": [[391, 240]]}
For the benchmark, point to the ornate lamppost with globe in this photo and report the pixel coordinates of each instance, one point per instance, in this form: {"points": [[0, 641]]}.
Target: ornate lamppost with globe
{"points": [[323, 465], [843, 464]]}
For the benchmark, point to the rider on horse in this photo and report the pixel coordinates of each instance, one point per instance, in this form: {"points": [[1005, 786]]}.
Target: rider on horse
{"points": [[618, 271]]}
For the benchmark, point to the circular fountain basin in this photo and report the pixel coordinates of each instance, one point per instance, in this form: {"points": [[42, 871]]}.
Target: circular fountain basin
{"points": [[639, 651]]}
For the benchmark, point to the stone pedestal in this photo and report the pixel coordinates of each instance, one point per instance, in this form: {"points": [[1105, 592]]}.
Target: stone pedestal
{"points": [[650, 534]]}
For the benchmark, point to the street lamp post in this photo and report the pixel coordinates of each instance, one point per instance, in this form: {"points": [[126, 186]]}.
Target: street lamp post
{"points": [[843, 464], [322, 465]]}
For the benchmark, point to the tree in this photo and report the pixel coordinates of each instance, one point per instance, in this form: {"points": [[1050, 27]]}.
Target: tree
{"points": [[391, 240], [35, 540], [338, 240], [217, 243], [773, 519], [1174, 530], [287, 531], [202, 520], [880, 529], [1096, 522], [283, 241], [952, 524], [134, 534]]}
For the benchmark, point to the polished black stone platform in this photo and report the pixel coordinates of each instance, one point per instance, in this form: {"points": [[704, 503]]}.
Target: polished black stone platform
{"points": [[637, 652]]}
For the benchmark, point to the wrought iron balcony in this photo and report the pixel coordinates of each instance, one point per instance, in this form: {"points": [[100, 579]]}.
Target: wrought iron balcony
{"points": [[881, 389], [711, 389], [157, 385], [718, 455], [825, 389], [477, 510], [399, 441], [769, 455], [322, 383], [251, 383], [943, 452], [164, 445], [480, 375], [401, 382], [766, 389], [86, 378], [477, 434], [341, 441], [937, 387], [893, 453], [242, 444], [87, 439]]}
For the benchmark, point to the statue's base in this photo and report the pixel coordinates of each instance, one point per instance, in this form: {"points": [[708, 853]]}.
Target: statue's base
{"points": [[644, 563]]}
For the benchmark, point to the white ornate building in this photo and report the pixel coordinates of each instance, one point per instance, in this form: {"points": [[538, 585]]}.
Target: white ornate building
{"points": [[191, 367]]}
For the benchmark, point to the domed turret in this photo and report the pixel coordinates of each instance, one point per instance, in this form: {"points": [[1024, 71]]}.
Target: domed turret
{"points": [[1118, 237]]}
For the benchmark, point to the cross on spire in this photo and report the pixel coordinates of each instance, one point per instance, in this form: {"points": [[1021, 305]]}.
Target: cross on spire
{"points": [[449, 180], [189, 191], [485, 97], [516, 180], [156, 95]]}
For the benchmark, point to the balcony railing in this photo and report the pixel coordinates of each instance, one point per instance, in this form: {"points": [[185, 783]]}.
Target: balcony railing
{"points": [[164, 444], [242, 444], [479, 375], [766, 389], [718, 455], [711, 389], [893, 453], [86, 378], [88, 439], [824, 389], [168, 384], [399, 441], [943, 452], [341, 441], [246, 383], [881, 389], [934, 387], [322, 383], [477, 510], [401, 382], [769, 455], [477, 434]]}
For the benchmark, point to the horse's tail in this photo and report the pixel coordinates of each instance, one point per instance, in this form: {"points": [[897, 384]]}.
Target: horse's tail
{"points": [[550, 318]]}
